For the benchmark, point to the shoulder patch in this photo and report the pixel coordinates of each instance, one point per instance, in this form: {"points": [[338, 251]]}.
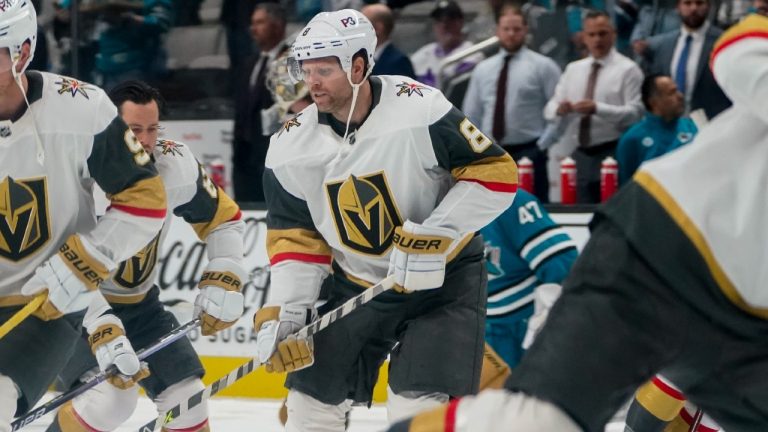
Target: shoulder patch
{"points": [[412, 88], [293, 121], [172, 148], [73, 87]]}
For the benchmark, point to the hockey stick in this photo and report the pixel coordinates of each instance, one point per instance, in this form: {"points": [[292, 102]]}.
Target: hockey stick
{"points": [[22, 314], [311, 329], [63, 398], [696, 420]]}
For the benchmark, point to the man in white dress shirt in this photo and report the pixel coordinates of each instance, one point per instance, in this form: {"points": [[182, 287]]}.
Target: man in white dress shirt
{"points": [[599, 98]]}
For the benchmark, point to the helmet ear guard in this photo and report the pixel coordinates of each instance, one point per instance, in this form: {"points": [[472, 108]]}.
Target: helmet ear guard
{"points": [[18, 24]]}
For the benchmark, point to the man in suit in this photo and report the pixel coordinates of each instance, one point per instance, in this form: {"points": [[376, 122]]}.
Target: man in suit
{"points": [[693, 43], [250, 142], [389, 59]]}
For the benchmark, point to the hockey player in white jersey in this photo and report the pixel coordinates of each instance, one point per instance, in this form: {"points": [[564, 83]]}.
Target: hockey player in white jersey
{"points": [[672, 280], [176, 371], [57, 137], [381, 175]]}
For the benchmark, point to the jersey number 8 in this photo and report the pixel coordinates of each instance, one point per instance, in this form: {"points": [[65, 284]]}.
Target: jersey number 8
{"points": [[476, 139], [139, 155]]}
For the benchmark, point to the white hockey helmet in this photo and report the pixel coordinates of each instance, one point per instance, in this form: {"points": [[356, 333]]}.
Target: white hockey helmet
{"points": [[18, 24], [340, 34]]}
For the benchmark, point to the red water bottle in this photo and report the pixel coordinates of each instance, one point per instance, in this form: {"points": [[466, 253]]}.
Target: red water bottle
{"points": [[609, 178], [525, 174], [217, 172], [568, 181]]}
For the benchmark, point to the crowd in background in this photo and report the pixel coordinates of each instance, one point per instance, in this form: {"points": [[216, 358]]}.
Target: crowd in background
{"points": [[586, 79]]}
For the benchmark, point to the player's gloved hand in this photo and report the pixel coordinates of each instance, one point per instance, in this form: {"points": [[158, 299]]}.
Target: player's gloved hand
{"points": [[111, 347], [70, 277], [220, 303], [276, 343], [544, 297], [418, 259]]}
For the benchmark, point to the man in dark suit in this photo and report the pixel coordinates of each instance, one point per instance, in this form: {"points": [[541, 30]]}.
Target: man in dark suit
{"points": [[684, 55], [250, 142], [389, 59]]}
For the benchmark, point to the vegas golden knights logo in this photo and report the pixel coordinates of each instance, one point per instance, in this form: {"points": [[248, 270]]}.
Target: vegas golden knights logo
{"points": [[24, 223], [135, 270], [364, 213]]}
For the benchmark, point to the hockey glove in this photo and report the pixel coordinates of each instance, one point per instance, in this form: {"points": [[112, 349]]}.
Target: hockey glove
{"points": [[277, 345], [220, 303], [418, 259], [111, 347], [70, 277], [544, 297]]}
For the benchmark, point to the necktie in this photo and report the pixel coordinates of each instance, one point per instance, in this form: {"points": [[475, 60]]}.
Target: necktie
{"points": [[586, 121], [682, 65], [501, 94]]}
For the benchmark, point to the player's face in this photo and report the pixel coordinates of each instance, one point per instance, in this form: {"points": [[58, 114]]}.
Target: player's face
{"points": [[5, 60], [448, 31], [144, 122], [328, 84], [511, 31]]}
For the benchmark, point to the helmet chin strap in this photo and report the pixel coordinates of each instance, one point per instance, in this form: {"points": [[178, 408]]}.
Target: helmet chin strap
{"points": [[355, 92], [38, 142]]}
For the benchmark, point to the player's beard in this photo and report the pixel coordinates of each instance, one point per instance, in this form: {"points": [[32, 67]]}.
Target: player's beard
{"points": [[695, 20], [331, 104]]}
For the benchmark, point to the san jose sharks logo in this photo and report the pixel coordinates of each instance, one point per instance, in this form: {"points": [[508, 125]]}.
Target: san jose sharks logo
{"points": [[493, 261], [294, 121], [73, 87], [171, 147], [364, 213], [409, 89]]}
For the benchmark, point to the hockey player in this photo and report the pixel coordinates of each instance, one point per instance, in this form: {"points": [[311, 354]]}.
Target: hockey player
{"points": [[133, 294], [381, 175], [525, 251], [57, 137], [671, 281]]}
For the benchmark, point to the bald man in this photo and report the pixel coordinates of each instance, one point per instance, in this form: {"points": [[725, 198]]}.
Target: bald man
{"points": [[389, 59]]}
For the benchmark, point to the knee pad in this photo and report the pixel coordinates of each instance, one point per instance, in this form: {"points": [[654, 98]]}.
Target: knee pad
{"points": [[307, 414], [194, 420], [8, 397], [408, 404], [104, 408]]}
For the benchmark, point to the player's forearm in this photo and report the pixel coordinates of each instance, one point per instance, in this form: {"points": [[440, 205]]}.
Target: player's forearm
{"points": [[469, 206], [119, 235]]}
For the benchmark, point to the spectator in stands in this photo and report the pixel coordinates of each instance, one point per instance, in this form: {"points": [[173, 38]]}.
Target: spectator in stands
{"points": [[684, 55], [599, 98], [250, 142], [447, 26], [131, 45], [389, 59], [507, 94], [662, 130], [654, 18]]}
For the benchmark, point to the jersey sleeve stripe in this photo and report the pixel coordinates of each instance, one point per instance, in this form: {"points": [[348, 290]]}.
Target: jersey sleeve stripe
{"points": [[668, 389], [297, 244], [136, 211], [540, 237], [295, 256], [496, 173], [145, 197], [226, 211], [663, 402], [754, 26]]}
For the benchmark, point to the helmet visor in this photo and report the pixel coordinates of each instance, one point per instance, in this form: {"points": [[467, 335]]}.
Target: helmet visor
{"points": [[294, 70]]}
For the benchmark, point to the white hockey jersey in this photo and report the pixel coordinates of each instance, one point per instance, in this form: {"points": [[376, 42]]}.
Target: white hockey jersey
{"points": [[716, 189], [83, 141], [415, 157], [191, 195]]}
